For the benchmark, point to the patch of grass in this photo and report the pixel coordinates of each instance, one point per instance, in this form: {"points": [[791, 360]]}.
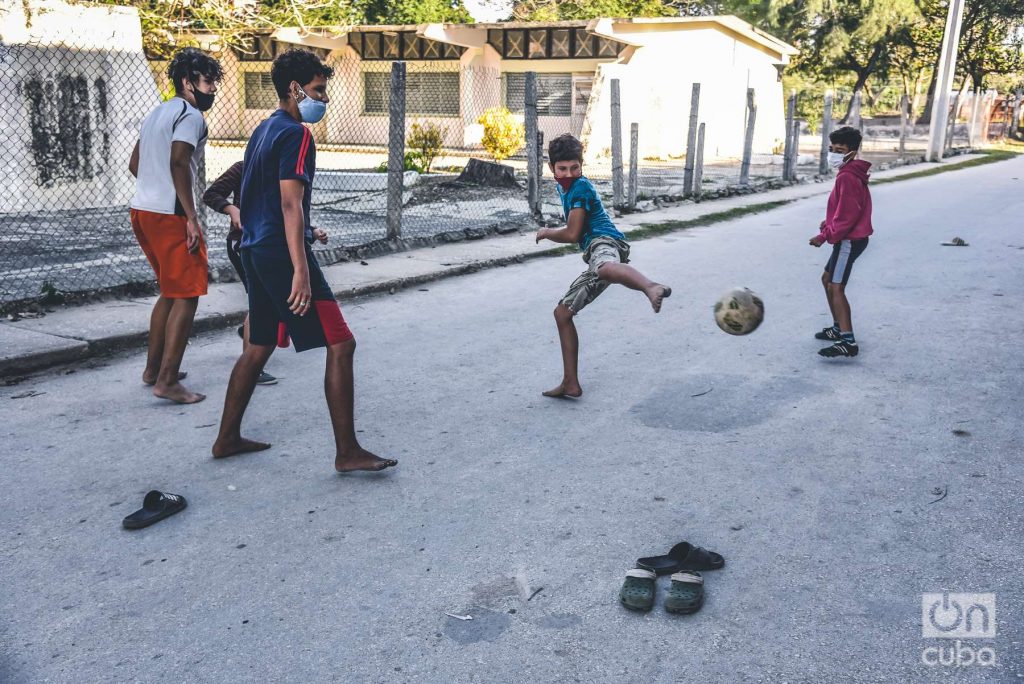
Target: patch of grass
{"points": [[990, 156], [647, 230]]}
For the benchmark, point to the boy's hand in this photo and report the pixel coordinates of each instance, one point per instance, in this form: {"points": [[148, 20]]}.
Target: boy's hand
{"points": [[301, 297], [816, 241], [193, 234], [236, 217], [542, 234], [320, 235]]}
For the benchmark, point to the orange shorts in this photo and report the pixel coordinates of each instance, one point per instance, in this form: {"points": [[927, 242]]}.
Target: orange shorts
{"points": [[179, 273]]}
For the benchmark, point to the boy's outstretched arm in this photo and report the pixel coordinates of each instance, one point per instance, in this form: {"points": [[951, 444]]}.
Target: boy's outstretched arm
{"points": [[572, 231]]}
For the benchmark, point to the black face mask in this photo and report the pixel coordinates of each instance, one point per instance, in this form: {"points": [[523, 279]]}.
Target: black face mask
{"points": [[203, 100]]}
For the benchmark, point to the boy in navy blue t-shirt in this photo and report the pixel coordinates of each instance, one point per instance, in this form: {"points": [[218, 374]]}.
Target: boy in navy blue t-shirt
{"points": [[604, 250], [287, 290]]}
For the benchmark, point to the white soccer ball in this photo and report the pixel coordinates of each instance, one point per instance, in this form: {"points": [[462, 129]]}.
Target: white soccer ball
{"points": [[739, 311]]}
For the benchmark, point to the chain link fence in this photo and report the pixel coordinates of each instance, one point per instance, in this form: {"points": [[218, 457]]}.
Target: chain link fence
{"points": [[78, 101]]}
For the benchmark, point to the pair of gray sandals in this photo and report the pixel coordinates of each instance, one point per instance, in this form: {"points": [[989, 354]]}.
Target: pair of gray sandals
{"points": [[684, 561]]}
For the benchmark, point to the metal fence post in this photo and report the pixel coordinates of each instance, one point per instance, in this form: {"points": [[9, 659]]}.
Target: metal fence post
{"points": [[826, 129], [634, 162], [748, 138], [530, 116], [787, 150], [698, 171], [904, 121], [396, 150], [616, 144], [691, 140]]}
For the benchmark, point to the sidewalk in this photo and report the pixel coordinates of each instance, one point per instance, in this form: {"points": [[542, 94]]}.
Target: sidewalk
{"points": [[76, 333]]}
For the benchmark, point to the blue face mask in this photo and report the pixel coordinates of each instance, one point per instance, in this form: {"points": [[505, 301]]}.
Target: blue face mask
{"points": [[311, 110]]}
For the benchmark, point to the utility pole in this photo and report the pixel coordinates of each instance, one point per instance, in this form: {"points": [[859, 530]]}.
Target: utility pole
{"points": [[944, 80]]}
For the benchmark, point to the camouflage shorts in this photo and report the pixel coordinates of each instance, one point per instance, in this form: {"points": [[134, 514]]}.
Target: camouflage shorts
{"points": [[588, 286]]}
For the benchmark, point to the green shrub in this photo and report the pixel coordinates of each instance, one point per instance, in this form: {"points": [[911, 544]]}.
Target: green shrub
{"points": [[426, 139], [503, 135], [413, 162]]}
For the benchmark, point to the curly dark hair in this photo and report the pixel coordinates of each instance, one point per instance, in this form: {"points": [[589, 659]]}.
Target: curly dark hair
{"points": [[565, 148], [847, 135], [297, 65], [190, 64]]}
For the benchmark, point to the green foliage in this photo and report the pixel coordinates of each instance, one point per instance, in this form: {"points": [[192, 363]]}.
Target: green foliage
{"points": [[427, 139], [503, 134], [413, 161], [411, 11]]}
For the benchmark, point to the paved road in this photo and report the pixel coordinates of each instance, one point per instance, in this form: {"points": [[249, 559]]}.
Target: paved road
{"points": [[838, 491]]}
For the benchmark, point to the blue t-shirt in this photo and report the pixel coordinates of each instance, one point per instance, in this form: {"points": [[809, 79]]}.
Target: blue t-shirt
{"points": [[583, 194], [280, 148]]}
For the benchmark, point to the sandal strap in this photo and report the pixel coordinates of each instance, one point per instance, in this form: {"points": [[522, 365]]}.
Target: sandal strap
{"points": [[687, 578], [641, 573]]}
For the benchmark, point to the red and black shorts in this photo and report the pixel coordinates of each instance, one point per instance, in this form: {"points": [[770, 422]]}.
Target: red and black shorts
{"points": [[270, 284]]}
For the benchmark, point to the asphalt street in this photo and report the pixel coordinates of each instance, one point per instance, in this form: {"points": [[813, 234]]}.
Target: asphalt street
{"points": [[838, 491]]}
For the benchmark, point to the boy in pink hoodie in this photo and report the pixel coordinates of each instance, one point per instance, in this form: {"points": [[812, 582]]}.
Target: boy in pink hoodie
{"points": [[846, 227]]}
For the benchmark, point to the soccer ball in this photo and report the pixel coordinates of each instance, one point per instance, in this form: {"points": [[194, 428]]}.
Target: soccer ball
{"points": [[739, 311]]}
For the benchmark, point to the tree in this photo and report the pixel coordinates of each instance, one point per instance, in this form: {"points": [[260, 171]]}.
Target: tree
{"points": [[561, 10], [837, 37], [412, 11]]}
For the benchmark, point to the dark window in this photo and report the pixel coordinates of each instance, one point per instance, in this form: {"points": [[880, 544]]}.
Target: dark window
{"points": [[494, 39], [259, 90], [554, 93], [410, 45], [607, 48], [434, 94], [371, 45], [390, 46], [560, 43], [514, 47], [538, 43]]}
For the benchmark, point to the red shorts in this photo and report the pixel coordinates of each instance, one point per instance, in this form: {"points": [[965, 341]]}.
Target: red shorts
{"points": [[180, 273]]}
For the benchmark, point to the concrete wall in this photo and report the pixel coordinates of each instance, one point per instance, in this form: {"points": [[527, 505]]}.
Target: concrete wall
{"points": [[655, 85], [76, 99]]}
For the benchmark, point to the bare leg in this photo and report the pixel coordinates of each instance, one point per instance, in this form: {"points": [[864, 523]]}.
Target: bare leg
{"points": [[179, 327], [240, 386], [624, 274], [826, 280], [340, 393], [570, 341], [841, 307], [157, 332]]}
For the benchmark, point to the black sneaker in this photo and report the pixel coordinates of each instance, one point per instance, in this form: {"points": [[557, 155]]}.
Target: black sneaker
{"points": [[266, 379], [840, 348], [828, 333]]}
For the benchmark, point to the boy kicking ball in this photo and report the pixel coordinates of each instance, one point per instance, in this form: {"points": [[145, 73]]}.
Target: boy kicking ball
{"points": [[846, 227], [605, 252]]}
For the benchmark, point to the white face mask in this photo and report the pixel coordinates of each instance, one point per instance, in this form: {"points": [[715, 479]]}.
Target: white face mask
{"points": [[836, 160]]}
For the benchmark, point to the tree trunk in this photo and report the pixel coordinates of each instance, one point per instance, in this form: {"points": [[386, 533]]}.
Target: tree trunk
{"points": [[862, 77], [926, 113]]}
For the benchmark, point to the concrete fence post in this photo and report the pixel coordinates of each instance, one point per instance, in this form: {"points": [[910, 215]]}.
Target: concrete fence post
{"points": [[532, 151], [904, 123], [787, 150], [795, 135], [698, 171], [617, 189], [691, 140], [536, 209], [634, 164], [826, 129], [396, 150], [748, 138]]}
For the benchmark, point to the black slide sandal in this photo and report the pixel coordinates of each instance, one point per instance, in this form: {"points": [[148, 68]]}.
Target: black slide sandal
{"points": [[155, 507], [682, 556]]}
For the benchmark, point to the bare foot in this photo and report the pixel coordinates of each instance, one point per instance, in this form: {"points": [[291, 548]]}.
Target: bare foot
{"points": [[177, 393], [361, 459], [237, 446], [565, 390], [151, 379], [656, 294]]}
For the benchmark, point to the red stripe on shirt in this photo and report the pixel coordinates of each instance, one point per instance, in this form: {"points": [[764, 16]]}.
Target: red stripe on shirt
{"points": [[300, 165]]}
